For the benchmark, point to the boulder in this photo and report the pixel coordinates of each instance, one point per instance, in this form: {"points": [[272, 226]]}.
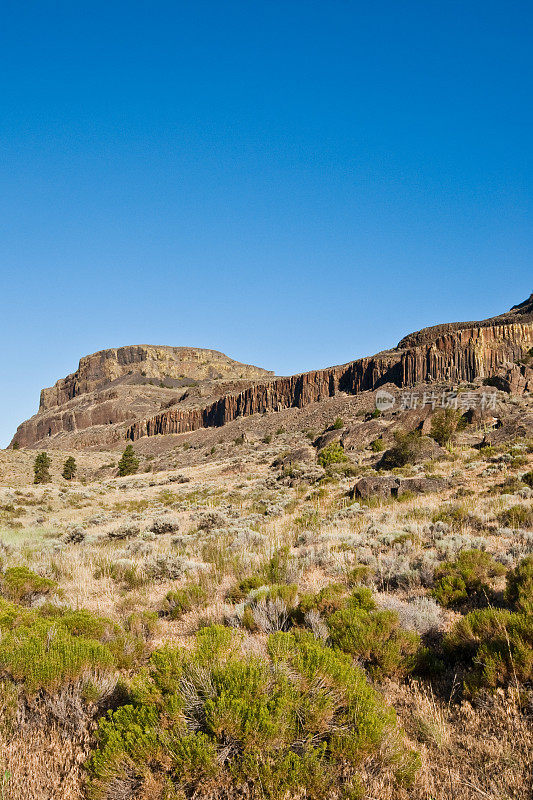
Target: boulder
{"points": [[422, 485], [376, 487]]}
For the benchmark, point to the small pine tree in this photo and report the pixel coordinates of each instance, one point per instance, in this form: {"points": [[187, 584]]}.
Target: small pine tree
{"points": [[129, 463], [69, 468], [41, 469]]}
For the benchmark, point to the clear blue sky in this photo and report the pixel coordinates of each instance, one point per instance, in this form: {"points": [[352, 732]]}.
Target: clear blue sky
{"points": [[295, 183]]}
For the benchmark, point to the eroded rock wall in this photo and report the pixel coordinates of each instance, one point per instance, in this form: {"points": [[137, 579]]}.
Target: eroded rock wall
{"points": [[454, 356]]}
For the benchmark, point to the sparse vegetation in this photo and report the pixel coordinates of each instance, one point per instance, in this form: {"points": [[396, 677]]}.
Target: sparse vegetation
{"points": [[237, 624]]}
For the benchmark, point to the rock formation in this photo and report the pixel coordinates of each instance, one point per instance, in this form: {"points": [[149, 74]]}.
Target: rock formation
{"points": [[457, 352], [113, 388]]}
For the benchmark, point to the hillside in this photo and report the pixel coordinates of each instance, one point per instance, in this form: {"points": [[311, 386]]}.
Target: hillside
{"points": [[112, 396], [331, 599]]}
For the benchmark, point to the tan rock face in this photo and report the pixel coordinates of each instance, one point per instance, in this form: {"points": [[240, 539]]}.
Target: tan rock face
{"points": [[110, 398], [159, 363]]}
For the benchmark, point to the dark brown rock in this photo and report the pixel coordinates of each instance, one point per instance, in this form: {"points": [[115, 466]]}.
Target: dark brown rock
{"points": [[376, 487], [422, 485], [513, 379], [326, 438]]}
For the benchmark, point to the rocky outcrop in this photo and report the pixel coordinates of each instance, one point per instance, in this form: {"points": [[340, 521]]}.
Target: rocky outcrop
{"points": [[513, 379], [447, 353], [112, 394], [386, 486], [151, 362]]}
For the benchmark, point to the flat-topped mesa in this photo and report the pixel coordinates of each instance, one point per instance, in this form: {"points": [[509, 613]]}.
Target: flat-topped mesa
{"points": [[455, 352], [145, 390], [159, 363]]}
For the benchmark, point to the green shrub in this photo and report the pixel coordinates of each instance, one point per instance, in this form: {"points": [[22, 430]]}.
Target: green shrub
{"points": [[180, 601], [43, 651], [359, 573], [444, 425], [125, 648], [519, 588], [244, 587], [406, 450], [374, 637], [129, 463], [41, 468], [377, 446], [516, 517], [528, 479], [279, 568], [496, 645], [338, 424], [45, 657], [328, 600], [333, 453], [457, 516], [22, 585], [48, 647], [284, 726], [466, 578]]}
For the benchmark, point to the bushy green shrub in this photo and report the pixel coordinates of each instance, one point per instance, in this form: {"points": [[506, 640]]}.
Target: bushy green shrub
{"points": [[243, 588], [497, 646], [125, 648], [179, 601], [406, 450], [358, 574], [48, 647], [278, 727], [374, 637], [444, 425], [279, 568], [45, 657], [516, 517], [466, 578], [328, 600], [528, 479], [519, 588], [456, 515], [338, 424], [333, 453], [22, 585]]}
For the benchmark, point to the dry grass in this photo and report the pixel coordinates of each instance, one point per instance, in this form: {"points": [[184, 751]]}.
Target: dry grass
{"points": [[468, 751]]}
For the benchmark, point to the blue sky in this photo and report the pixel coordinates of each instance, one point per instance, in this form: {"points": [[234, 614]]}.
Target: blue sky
{"points": [[293, 183]]}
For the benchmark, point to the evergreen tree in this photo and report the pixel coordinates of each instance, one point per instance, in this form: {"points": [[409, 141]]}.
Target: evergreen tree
{"points": [[69, 468], [41, 469], [129, 463]]}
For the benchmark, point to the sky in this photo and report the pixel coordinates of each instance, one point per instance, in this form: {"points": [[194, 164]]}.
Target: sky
{"points": [[295, 183]]}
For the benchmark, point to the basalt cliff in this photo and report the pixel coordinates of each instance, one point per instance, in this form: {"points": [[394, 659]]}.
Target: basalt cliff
{"points": [[133, 392]]}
